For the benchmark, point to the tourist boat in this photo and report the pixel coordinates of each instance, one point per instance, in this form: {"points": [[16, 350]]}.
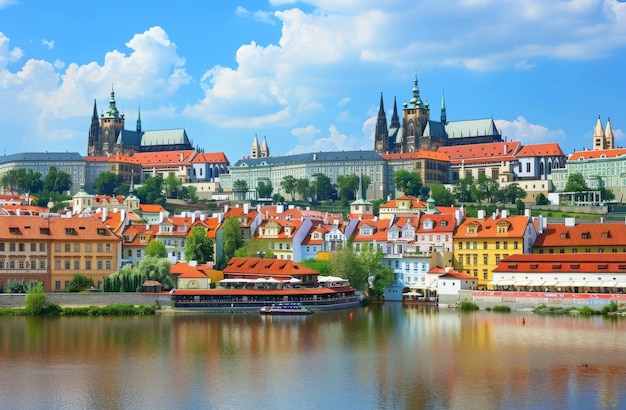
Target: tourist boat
{"points": [[284, 309]]}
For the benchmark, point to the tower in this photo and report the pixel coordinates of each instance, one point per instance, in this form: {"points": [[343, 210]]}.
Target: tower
{"points": [[254, 153], [110, 125], [93, 143], [265, 151], [444, 119], [415, 116], [138, 120], [599, 139], [381, 134], [608, 135]]}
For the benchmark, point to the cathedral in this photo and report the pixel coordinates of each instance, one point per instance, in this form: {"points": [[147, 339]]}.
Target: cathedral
{"points": [[417, 131], [107, 135]]}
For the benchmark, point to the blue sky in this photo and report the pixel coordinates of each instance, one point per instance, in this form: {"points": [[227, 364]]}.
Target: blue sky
{"points": [[308, 74]]}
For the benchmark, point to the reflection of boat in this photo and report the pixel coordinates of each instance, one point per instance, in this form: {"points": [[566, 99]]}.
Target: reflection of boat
{"points": [[286, 309]]}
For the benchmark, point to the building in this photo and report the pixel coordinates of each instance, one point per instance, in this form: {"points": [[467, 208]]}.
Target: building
{"points": [[480, 243], [52, 250], [272, 170], [419, 131], [603, 138], [432, 166], [126, 167], [495, 160], [108, 136], [580, 237], [70, 162]]}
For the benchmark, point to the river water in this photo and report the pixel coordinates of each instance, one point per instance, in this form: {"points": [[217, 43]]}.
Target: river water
{"points": [[383, 357]]}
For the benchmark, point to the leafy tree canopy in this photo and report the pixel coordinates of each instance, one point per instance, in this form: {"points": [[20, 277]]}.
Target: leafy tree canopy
{"points": [[156, 249], [198, 246], [408, 182], [107, 183]]}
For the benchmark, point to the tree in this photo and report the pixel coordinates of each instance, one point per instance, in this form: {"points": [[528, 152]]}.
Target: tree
{"points": [[107, 183], [240, 189], [21, 180], [441, 195], [606, 194], [231, 238], [576, 183], [512, 193], [345, 264], [541, 199], [408, 182], [323, 188], [35, 300], [304, 188], [172, 186], [288, 184], [253, 247], [151, 191], [158, 269], [485, 189], [348, 187], [264, 190], [79, 282], [462, 189], [321, 266], [188, 193], [198, 246], [379, 276], [57, 181], [156, 249]]}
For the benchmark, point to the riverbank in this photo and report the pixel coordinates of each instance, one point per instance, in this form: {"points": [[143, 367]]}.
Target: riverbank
{"points": [[90, 299]]}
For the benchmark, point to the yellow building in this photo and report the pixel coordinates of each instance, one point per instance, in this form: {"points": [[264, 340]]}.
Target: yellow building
{"points": [[480, 243]]}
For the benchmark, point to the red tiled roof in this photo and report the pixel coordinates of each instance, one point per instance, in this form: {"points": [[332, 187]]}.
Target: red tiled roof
{"points": [[541, 150], [151, 208], [149, 159], [595, 154], [211, 157], [183, 270], [582, 234], [421, 154], [266, 267], [488, 227], [490, 152]]}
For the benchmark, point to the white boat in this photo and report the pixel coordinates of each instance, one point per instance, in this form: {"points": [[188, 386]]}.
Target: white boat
{"points": [[284, 309]]}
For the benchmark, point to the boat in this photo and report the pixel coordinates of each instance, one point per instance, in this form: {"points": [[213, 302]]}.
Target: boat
{"points": [[284, 309]]}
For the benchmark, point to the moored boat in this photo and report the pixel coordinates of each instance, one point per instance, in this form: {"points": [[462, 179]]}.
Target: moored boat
{"points": [[284, 309]]}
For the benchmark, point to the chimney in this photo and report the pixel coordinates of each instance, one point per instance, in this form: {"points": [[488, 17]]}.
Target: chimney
{"points": [[527, 213], [481, 214], [246, 208], [280, 209], [105, 214], [225, 208], [505, 214], [569, 222], [506, 149]]}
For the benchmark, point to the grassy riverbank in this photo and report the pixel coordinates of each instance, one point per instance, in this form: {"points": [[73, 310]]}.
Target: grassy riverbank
{"points": [[52, 309]]}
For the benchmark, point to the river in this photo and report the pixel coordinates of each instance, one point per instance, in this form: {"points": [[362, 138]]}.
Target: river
{"points": [[383, 357]]}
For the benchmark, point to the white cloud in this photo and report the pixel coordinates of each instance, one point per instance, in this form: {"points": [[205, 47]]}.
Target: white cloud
{"points": [[521, 130], [335, 141], [48, 43], [6, 3]]}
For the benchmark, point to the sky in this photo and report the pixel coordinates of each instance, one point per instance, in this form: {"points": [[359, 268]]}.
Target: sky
{"points": [[308, 75]]}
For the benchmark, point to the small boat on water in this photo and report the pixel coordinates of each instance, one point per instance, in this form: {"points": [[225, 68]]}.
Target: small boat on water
{"points": [[285, 309]]}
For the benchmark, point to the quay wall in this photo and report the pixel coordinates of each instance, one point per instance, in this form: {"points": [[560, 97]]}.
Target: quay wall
{"points": [[91, 299], [526, 300]]}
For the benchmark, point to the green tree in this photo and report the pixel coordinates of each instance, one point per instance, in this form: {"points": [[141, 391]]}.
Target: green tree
{"points": [[379, 275], [240, 189], [304, 188], [231, 238], [172, 186], [57, 181], [253, 247], [288, 184], [462, 189], [345, 264], [348, 187], [158, 269], [441, 195], [321, 266], [79, 282], [21, 180], [323, 188], [541, 199], [198, 246], [264, 190], [156, 249], [151, 191], [35, 300], [576, 183], [408, 182], [107, 183], [512, 193], [485, 189], [606, 194]]}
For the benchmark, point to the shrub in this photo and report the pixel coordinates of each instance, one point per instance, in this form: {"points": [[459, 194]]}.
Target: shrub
{"points": [[502, 308], [467, 305], [79, 282], [611, 307], [35, 301], [51, 309], [586, 310]]}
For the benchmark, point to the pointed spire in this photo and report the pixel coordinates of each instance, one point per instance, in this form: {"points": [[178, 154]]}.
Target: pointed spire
{"points": [[598, 136], [608, 135], [395, 120], [255, 147], [95, 110], [381, 132], [138, 119], [112, 112], [265, 151], [381, 106], [444, 119]]}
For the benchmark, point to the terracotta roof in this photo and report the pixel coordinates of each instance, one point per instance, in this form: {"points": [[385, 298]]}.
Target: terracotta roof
{"points": [[421, 154], [541, 150], [211, 157], [69, 229], [183, 270], [160, 158], [443, 272], [488, 227], [266, 267], [564, 262], [473, 153], [437, 220], [582, 234], [379, 227], [151, 208], [595, 154]]}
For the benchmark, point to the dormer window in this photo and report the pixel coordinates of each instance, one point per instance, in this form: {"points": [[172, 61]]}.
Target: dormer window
{"points": [[14, 230], [585, 235], [101, 231], [70, 231]]}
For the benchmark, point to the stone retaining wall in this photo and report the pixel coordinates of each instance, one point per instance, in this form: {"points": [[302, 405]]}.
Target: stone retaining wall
{"points": [[91, 299]]}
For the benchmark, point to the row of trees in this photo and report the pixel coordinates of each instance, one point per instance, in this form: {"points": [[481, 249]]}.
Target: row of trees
{"points": [[53, 187]]}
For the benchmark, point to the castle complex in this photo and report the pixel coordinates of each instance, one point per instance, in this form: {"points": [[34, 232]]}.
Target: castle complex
{"points": [[418, 131], [107, 135]]}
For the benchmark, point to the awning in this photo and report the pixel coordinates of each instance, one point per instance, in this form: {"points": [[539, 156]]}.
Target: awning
{"points": [[565, 283], [506, 282], [549, 283], [535, 283], [608, 284], [579, 283], [521, 283], [621, 285], [412, 293]]}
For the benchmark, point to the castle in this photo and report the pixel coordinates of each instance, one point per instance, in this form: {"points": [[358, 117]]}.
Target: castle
{"points": [[418, 131], [108, 136]]}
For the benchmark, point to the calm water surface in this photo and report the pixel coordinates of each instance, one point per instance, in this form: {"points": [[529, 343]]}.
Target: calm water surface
{"points": [[384, 357]]}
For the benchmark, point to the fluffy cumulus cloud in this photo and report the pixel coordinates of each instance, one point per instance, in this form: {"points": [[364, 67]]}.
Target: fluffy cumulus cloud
{"points": [[521, 130], [334, 141]]}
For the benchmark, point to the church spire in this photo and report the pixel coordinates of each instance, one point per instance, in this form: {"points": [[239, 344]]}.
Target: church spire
{"points": [[444, 119], [138, 119], [265, 151], [598, 136], [255, 147], [395, 120], [381, 133], [608, 135], [94, 131]]}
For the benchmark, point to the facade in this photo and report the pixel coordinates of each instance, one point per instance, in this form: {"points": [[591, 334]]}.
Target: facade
{"points": [[603, 138], [207, 166], [419, 131], [572, 237], [108, 136], [53, 249], [71, 162], [126, 167], [332, 164], [480, 243], [495, 160], [166, 163], [406, 205], [432, 166]]}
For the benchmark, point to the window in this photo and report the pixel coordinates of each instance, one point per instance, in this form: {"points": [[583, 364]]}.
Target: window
{"points": [[485, 274], [108, 265], [67, 265], [515, 245], [497, 259], [497, 245], [57, 247], [505, 245], [57, 285], [21, 247], [11, 247], [484, 245], [42, 247], [33, 265], [87, 265], [42, 265], [77, 247], [11, 264], [76, 265], [99, 265], [100, 247], [57, 265], [33, 247], [1, 264], [21, 265], [1, 246], [474, 245], [67, 247], [107, 247], [485, 259], [138, 253]]}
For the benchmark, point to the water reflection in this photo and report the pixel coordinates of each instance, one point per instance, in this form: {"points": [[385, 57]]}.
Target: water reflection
{"points": [[382, 357]]}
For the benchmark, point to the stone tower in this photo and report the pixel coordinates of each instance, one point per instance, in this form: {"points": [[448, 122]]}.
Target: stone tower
{"points": [[603, 138], [381, 134], [104, 131], [415, 116]]}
